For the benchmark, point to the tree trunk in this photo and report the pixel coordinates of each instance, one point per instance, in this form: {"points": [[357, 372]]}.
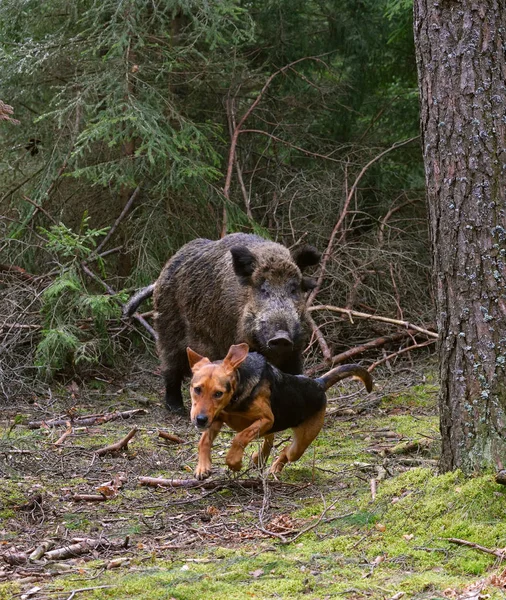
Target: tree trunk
{"points": [[462, 73]]}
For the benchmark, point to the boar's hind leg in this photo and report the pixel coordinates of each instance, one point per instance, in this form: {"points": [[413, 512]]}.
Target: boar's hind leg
{"points": [[172, 352], [174, 374]]}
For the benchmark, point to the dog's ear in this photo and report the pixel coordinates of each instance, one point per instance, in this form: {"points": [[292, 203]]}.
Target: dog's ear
{"points": [[236, 355], [194, 358]]}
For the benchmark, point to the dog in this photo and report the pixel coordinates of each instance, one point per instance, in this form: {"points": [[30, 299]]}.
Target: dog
{"points": [[257, 400]]}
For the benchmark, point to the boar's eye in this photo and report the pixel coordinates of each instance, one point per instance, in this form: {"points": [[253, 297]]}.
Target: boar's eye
{"points": [[264, 290], [218, 394], [197, 389]]}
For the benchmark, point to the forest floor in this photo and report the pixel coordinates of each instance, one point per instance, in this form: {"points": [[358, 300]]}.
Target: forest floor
{"points": [[363, 514]]}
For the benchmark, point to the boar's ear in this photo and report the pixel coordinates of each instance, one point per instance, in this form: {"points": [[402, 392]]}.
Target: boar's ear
{"points": [[194, 358], [308, 284], [244, 261], [236, 355], [306, 256]]}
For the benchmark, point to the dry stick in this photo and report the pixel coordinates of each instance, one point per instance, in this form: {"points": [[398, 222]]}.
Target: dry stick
{"points": [[88, 420], [123, 443], [299, 148], [352, 352], [208, 485], [230, 106], [119, 219], [82, 547], [495, 552], [395, 354], [328, 251], [39, 207], [320, 519], [65, 435], [327, 354], [361, 315], [89, 498], [171, 437], [88, 589]]}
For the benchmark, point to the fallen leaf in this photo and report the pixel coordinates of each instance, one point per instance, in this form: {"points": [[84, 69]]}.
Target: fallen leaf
{"points": [[408, 536], [257, 573]]}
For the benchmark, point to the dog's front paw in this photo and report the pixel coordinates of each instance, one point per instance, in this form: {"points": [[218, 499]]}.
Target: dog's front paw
{"points": [[234, 460], [202, 471]]}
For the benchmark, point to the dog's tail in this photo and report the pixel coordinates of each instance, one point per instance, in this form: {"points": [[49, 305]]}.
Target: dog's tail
{"points": [[132, 305], [344, 371]]}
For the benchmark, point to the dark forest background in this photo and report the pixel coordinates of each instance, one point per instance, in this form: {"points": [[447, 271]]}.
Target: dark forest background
{"points": [[113, 105]]}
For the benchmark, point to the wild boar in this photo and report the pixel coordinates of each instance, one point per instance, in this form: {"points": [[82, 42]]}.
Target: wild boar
{"points": [[241, 288]]}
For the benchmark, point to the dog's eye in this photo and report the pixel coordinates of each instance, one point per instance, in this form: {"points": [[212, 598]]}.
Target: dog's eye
{"points": [[218, 394], [197, 389]]}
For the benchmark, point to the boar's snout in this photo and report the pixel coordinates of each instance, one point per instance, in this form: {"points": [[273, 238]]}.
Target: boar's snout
{"points": [[280, 342]]}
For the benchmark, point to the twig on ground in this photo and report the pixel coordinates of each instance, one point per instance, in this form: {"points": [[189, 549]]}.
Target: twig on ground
{"points": [[88, 589], [87, 420], [206, 484], [407, 447], [499, 552], [170, 437], [123, 443], [88, 498], [69, 431]]}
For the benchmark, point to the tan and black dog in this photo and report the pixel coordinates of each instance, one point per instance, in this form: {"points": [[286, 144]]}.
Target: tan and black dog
{"points": [[256, 399]]}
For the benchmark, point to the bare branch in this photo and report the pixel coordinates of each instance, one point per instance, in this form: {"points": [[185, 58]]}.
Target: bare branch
{"points": [[328, 251], [361, 315]]}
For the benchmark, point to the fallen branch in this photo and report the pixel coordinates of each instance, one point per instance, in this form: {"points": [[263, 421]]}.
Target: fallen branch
{"points": [[39, 552], [88, 498], [82, 547], [205, 484], [407, 447], [361, 315], [65, 434], [499, 552], [171, 437], [88, 420], [88, 589], [123, 443]]}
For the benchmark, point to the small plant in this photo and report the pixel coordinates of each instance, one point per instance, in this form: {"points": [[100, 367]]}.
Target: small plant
{"points": [[75, 319]]}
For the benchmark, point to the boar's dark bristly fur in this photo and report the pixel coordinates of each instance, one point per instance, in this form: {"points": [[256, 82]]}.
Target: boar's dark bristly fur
{"points": [[242, 288]]}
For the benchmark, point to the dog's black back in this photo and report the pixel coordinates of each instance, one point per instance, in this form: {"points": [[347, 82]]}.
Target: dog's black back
{"points": [[294, 398]]}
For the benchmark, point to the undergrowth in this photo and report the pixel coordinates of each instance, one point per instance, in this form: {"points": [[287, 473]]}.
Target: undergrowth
{"points": [[356, 545]]}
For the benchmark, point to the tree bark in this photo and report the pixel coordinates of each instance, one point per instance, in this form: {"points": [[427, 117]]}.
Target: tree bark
{"points": [[462, 73]]}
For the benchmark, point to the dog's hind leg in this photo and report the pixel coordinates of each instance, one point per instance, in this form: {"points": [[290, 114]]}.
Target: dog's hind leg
{"points": [[302, 437], [260, 458]]}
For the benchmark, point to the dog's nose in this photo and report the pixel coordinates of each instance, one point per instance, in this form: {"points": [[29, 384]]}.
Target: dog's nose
{"points": [[280, 341], [201, 420]]}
